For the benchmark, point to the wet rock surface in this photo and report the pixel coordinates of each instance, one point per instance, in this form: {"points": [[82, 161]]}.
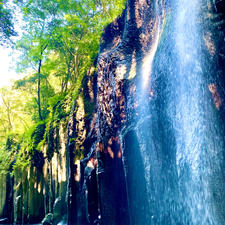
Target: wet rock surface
{"points": [[160, 75], [48, 220]]}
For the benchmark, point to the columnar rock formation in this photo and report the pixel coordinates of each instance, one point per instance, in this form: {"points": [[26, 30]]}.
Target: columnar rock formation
{"points": [[159, 121]]}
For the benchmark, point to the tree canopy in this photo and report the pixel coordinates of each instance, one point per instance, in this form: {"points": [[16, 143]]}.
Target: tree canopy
{"points": [[59, 44], [7, 30]]}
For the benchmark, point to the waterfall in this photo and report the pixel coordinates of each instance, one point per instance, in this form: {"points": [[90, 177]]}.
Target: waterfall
{"points": [[179, 131], [199, 140]]}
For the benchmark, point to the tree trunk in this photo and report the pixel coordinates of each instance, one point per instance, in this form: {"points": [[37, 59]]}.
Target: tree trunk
{"points": [[39, 83], [39, 87]]}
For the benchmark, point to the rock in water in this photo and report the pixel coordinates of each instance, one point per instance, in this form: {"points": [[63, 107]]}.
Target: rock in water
{"points": [[48, 220]]}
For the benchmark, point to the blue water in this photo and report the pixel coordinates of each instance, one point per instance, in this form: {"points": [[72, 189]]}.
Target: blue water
{"points": [[181, 136]]}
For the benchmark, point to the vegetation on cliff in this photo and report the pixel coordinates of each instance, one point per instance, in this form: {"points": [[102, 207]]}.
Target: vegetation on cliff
{"points": [[58, 47]]}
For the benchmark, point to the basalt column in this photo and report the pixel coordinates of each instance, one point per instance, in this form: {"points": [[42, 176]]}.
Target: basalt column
{"points": [[160, 103]]}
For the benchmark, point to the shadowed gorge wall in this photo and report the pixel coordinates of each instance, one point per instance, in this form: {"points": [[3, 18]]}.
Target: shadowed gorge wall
{"points": [[42, 190], [161, 91]]}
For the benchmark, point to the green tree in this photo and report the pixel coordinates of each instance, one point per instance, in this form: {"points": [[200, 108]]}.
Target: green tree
{"points": [[58, 47], [13, 116], [7, 30], [40, 18]]}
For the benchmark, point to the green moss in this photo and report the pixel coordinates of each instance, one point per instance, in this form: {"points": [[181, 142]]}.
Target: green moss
{"points": [[58, 113], [57, 107], [5, 161], [9, 142], [37, 159], [38, 134], [29, 150], [50, 141], [22, 160]]}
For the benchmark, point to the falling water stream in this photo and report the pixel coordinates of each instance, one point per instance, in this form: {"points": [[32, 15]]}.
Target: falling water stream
{"points": [[199, 138], [195, 130], [183, 155]]}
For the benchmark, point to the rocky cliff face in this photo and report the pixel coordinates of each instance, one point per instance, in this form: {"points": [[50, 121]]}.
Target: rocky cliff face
{"points": [[41, 188], [160, 112]]}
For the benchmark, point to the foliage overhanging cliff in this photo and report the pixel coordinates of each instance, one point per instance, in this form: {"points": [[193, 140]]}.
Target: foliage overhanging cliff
{"points": [[58, 49]]}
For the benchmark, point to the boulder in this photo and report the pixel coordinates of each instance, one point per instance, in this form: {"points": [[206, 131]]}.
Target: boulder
{"points": [[48, 220]]}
